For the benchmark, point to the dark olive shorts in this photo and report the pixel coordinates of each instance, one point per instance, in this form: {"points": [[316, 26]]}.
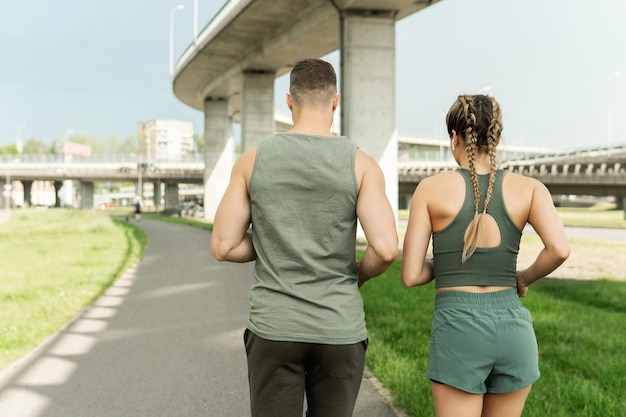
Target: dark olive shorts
{"points": [[281, 373], [482, 342]]}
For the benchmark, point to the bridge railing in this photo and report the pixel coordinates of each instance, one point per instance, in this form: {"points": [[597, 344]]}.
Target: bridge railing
{"points": [[584, 152], [108, 158], [416, 171]]}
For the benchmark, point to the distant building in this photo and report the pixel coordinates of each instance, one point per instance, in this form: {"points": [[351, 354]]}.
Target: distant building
{"points": [[167, 140]]}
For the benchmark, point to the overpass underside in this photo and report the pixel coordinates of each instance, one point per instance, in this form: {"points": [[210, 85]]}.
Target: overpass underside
{"points": [[229, 74], [600, 177]]}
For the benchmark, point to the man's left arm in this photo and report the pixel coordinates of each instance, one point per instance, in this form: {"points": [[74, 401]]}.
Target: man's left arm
{"points": [[230, 239]]}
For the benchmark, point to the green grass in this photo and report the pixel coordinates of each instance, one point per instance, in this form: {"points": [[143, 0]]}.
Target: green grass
{"points": [[189, 221], [592, 217], [597, 216], [54, 263], [579, 326]]}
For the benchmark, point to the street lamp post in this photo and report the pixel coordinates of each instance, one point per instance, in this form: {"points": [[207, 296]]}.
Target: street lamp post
{"points": [[7, 193], [68, 185], [18, 142], [195, 20], [174, 10]]}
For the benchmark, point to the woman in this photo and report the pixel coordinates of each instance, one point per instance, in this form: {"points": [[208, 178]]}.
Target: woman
{"points": [[483, 351]]}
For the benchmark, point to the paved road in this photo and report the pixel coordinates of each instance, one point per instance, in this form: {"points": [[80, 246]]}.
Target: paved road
{"points": [[164, 341]]}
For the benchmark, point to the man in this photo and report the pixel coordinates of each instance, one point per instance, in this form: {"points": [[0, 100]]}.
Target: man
{"points": [[302, 191]]}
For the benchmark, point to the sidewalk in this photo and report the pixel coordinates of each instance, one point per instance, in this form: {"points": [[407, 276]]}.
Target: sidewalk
{"points": [[164, 341]]}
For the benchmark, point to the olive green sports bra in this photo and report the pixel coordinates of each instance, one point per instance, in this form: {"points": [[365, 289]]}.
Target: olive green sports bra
{"points": [[487, 266]]}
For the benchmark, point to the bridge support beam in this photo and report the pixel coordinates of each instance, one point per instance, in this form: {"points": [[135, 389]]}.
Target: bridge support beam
{"points": [[368, 90], [219, 153], [57, 191], [86, 195], [5, 195], [171, 197], [257, 107], [621, 204], [156, 194], [28, 186]]}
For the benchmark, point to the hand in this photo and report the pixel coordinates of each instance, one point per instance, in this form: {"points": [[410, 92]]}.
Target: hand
{"points": [[358, 269], [522, 286]]}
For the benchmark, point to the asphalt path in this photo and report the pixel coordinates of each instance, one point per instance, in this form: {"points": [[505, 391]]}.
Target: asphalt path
{"points": [[164, 341]]}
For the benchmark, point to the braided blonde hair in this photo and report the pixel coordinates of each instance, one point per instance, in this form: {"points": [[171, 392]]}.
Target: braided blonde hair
{"points": [[478, 121]]}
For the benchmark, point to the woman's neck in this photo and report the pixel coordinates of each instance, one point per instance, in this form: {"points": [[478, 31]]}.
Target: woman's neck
{"points": [[481, 163]]}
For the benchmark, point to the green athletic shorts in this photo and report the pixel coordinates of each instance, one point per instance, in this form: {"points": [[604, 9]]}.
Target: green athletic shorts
{"points": [[482, 342]]}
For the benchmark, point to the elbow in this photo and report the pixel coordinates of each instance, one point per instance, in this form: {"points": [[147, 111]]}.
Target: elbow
{"points": [[409, 279], [406, 282], [562, 252], [219, 255], [558, 253], [219, 251], [390, 254]]}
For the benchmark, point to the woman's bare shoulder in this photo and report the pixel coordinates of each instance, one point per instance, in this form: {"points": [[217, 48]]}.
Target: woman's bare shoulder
{"points": [[445, 182], [519, 180]]}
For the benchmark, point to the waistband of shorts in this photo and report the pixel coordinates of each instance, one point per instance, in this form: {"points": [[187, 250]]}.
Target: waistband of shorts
{"points": [[488, 300]]}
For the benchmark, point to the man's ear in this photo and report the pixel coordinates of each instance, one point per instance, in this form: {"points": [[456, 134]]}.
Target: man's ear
{"points": [[289, 101], [336, 102]]}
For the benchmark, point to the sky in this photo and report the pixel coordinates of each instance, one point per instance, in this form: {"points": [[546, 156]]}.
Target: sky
{"points": [[98, 67]]}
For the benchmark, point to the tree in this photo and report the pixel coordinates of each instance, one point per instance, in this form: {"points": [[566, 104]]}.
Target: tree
{"points": [[96, 147], [34, 146], [130, 145], [199, 141], [9, 149]]}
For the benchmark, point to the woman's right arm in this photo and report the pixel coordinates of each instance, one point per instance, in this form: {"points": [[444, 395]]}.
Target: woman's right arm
{"points": [[415, 269], [544, 218]]}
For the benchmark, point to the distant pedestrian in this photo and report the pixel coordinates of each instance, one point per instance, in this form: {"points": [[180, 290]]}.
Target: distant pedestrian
{"points": [[138, 210], [303, 192], [483, 356]]}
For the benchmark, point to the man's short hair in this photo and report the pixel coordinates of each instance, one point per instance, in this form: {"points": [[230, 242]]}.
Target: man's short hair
{"points": [[313, 82]]}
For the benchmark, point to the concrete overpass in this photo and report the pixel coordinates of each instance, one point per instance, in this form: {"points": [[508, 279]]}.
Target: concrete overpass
{"points": [[595, 172], [229, 72]]}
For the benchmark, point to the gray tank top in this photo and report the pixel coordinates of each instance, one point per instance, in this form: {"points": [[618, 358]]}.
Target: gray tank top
{"points": [[303, 194], [487, 266]]}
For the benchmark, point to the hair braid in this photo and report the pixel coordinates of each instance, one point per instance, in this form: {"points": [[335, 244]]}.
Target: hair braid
{"points": [[493, 133], [471, 143], [471, 146]]}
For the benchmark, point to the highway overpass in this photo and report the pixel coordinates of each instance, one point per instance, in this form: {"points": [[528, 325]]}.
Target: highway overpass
{"points": [[228, 73], [597, 172]]}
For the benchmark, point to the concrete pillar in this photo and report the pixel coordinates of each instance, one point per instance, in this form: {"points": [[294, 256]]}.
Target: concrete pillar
{"points": [[257, 107], [57, 189], [219, 154], [620, 204], [156, 194], [86, 195], [5, 193], [171, 197], [368, 90], [139, 191], [28, 186]]}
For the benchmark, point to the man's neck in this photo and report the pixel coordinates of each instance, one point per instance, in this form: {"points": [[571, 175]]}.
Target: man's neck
{"points": [[312, 123]]}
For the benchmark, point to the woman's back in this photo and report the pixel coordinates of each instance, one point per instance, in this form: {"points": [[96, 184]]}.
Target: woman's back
{"points": [[446, 194]]}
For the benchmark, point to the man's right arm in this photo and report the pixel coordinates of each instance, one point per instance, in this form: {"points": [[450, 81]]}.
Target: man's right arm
{"points": [[230, 239], [377, 219]]}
